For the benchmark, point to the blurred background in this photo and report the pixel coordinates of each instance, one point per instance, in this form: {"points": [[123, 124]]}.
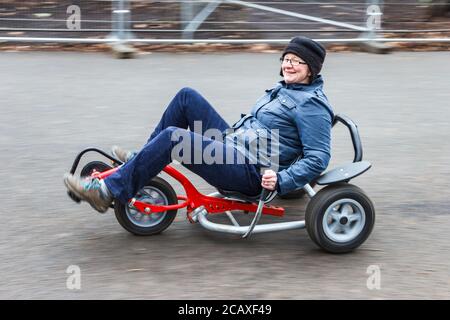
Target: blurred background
{"points": [[53, 104], [190, 21]]}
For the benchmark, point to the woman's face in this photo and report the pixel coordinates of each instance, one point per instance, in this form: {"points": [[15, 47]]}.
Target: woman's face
{"points": [[294, 69]]}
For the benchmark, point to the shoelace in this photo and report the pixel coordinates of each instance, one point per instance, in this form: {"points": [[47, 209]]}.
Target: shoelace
{"points": [[93, 184]]}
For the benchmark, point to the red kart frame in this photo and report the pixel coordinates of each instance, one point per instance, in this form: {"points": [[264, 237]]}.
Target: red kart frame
{"points": [[338, 218], [194, 199]]}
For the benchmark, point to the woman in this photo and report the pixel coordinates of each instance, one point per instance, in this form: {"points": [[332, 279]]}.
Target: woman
{"points": [[296, 113]]}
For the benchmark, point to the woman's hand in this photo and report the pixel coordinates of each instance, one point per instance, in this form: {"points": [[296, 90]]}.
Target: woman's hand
{"points": [[269, 180]]}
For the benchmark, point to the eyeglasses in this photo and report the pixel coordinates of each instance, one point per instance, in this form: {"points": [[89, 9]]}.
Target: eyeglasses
{"points": [[293, 62]]}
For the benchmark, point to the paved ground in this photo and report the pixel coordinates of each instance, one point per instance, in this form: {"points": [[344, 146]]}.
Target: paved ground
{"points": [[53, 105]]}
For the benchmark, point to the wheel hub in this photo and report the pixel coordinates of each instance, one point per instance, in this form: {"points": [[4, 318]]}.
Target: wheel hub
{"points": [[343, 221], [152, 196]]}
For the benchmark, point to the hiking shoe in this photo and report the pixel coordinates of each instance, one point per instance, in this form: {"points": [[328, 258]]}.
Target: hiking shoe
{"points": [[90, 190], [122, 154]]}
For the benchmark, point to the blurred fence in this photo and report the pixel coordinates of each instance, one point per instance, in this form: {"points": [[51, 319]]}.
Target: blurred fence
{"points": [[227, 21]]}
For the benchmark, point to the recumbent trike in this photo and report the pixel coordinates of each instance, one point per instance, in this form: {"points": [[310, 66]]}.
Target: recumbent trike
{"points": [[338, 218]]}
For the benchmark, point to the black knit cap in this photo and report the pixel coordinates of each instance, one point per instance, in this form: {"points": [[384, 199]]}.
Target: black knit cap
{"points": [[312, 52]]}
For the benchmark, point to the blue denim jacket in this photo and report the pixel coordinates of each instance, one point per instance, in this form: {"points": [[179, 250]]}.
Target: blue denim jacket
{"points": [[303, 117]]}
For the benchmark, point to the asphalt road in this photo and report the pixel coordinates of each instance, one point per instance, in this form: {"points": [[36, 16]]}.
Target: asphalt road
{"points": [[54, 104]]}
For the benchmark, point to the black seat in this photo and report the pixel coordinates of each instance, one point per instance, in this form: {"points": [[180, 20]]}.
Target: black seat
{"points": [[238, 195], [269, 195]]}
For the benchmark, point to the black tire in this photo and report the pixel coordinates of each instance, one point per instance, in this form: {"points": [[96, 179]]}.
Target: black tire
{"points": [[297, 194], [94, 165], [157, 222], [339, 194]]}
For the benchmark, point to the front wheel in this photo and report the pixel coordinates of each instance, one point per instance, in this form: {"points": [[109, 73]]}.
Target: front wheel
{"points": [[339, 218], [157, 192]]}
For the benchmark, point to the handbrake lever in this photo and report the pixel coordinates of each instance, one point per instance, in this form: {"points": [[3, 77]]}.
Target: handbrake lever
{"points": [[262, 198]]}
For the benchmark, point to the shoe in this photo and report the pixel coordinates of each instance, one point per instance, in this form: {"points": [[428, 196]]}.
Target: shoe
{"points": [[122, 154], [89, 190]]}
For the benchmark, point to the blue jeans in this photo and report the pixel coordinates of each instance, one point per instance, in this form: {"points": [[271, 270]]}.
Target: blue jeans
{"points": [[185, 108]]}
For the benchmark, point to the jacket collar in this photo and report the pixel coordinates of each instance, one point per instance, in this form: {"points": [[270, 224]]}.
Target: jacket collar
{"points": [[318, 82]]}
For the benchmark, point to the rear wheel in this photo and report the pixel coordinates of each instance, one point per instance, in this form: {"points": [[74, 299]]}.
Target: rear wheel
{"points": [[157, 192], [339, 218]]}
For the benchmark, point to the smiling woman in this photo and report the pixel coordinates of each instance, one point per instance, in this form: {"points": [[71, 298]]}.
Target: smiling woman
{"points": [[302, 60], [282, 144], [294, 70]]}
